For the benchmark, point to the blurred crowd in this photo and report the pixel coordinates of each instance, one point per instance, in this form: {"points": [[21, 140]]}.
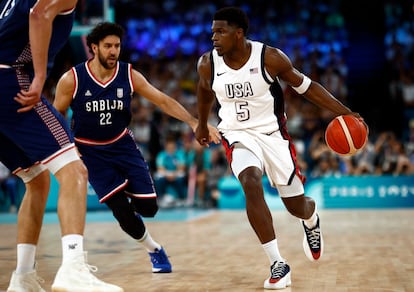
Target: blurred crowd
{"points": [[164, 40]]}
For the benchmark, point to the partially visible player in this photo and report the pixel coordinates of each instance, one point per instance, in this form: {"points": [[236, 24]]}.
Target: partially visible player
{"points": [[99, 92], [34, 140], [243, 76]]}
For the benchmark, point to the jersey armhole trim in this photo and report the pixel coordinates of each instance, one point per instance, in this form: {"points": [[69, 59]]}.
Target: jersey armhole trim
{"points": [[265, 74], [212, 68]]}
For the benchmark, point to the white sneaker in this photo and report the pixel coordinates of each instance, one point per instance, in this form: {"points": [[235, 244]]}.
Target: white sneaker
{"points": [[313, 241], [27, 282], [279, 277], [76, 276]]}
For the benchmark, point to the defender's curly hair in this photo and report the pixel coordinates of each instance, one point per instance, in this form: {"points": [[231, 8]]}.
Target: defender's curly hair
{"points": [[101, 31]]}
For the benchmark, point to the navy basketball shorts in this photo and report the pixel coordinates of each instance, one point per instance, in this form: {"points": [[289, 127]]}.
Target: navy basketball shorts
{"points": [[29, 137], [117, 166]]}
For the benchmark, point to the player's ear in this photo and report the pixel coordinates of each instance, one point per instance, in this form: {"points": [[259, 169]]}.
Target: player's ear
{"points": [[94, 48], [239, 32]]}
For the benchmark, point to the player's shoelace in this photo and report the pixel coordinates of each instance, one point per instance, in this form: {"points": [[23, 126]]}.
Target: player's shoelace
{"points": [[278, 271], [158, 257], [39, 280], [313, 236], [91, 268]]}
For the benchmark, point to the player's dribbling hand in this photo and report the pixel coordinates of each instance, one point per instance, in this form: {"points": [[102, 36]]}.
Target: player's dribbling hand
{"points": [[359, 117]]}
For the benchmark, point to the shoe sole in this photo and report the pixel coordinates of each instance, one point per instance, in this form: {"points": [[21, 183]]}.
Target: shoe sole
{"points": [[19, 289], [161, 271], [58, 289], [281, 284]]}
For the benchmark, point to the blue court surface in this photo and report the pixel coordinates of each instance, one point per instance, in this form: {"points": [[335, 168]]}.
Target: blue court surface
{"points": [[177, 214]]}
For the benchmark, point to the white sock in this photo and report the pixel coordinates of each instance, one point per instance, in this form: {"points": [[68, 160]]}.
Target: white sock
{"points": [[311, 222], [148, 242], [272, 251], [72, 246], [25, 258]]}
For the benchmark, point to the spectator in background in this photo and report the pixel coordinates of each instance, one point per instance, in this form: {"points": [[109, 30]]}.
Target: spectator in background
{"points": [[146, 133], [410, 141], [407, 94], [390, 156], [362, 163], [384, 163], [325, 161], [404, 165], [326, 165], [198, 166], [9, 187], [170, 174], [334, 82], [219, 169]]}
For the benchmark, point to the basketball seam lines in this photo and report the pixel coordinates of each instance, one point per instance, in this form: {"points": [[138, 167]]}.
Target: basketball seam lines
{"points": [[347, 134]]}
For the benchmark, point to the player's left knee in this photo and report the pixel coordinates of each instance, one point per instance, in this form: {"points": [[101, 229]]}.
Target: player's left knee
{"points": [[146, 207]]}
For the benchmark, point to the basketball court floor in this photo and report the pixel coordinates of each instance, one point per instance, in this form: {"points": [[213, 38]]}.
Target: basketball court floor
{"points": [[216, 250]]}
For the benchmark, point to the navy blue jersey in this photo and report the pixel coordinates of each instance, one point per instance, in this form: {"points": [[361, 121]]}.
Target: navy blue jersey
{"points": [[14, 36], [100, 119], [101, 111]]}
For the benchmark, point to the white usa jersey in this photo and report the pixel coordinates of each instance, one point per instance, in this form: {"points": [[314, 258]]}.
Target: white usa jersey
{"points": [[248, 98]]}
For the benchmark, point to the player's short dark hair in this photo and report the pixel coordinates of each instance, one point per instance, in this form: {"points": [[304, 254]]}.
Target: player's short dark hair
{"points": [[101, 31], [234, 17]]}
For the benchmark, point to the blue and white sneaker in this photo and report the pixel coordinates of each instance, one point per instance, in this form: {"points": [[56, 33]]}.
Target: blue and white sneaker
{"points": [[160, 262]]}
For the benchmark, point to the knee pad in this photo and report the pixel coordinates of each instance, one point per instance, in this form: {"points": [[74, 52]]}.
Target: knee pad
{"points": [[145, 207], [124, 213]]}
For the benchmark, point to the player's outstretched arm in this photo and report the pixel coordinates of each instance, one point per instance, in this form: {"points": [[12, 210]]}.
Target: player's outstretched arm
{"points": [[279, 65], [168, 104]]}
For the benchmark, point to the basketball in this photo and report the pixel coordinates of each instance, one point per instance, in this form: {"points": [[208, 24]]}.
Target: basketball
{"points": [[346, 135]]}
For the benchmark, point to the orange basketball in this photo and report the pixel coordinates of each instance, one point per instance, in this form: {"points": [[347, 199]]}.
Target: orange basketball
{"points": [[346, 135]]}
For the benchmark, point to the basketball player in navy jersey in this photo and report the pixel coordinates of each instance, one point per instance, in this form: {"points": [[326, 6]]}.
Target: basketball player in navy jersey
{"points": [[35, 140], [99, 92], [243, 76]]}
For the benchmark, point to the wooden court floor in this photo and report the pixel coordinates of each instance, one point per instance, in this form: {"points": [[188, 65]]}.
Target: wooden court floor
{"points": [[365, 250]]}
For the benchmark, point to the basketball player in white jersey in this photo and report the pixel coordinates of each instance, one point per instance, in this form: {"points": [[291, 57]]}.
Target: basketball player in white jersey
{"points": [[243, 76]]}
